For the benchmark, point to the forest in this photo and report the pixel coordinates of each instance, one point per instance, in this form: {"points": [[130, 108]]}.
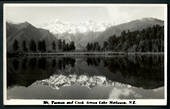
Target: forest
{"points": [[150, 39], [40, 46]]}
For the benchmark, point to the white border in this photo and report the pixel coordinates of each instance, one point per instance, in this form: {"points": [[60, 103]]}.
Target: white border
{"points": [[148, 102]]}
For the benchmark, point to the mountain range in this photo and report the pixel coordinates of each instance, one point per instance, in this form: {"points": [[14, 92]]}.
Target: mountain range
{"points": [[81, 34], [58, 27]]}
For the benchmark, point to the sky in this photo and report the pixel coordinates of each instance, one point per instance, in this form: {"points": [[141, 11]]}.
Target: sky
{"points": [[38, 14]]}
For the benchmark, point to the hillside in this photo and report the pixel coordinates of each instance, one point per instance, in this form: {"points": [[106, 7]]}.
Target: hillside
{"points": [[150, 39], [131, 26], [25, 32]]}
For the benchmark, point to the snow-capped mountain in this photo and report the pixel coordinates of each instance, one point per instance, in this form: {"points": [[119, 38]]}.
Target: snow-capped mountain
{"points": [[60, 27], [81, 33]]}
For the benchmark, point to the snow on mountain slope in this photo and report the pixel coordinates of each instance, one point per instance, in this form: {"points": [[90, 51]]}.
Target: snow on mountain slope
{"points": [[81, 34], [60, 27]]}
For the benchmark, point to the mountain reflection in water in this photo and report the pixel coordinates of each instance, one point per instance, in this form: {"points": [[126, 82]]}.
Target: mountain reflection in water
{"points": [[101, 77]]}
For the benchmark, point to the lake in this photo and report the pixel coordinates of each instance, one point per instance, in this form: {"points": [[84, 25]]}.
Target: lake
{"points": [[86, 77]]}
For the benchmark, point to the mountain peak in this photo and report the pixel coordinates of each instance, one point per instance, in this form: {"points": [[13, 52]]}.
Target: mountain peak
{"points": [[59, 27], [150, 19], [26, 23]]}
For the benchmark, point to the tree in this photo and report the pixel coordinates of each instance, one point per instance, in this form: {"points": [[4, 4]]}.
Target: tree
{"points": [[60, 44], [96, 46], [105, 45], [66, 47], [72, 46], [88, 47], [32, 46], [43, 46], [63, 46], [15, 45], [123, 33], [112, 41], [39, 45], [53, 45], [91, 46], [24, 46]]}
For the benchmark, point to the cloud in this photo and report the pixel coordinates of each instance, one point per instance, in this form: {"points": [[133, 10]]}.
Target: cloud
{"points": [[122, 14], [39, 14]]}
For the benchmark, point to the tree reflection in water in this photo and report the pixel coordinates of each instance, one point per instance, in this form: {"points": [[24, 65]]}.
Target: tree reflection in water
{"points": [[139, 71]]}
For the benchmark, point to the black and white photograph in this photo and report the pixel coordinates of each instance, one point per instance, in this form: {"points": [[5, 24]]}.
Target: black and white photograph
{"points": [[84, 54]]}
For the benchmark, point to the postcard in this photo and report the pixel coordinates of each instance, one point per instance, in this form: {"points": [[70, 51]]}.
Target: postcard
{"points": [[84, 54]]}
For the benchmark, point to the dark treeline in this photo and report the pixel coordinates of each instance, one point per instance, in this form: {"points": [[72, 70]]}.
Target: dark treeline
{"points": [[31, 46], [63, 46], [147, 40], [41, 46], [93, 47]]}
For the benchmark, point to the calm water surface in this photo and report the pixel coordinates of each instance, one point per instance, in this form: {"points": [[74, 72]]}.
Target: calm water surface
{"points": [[116, 77]]}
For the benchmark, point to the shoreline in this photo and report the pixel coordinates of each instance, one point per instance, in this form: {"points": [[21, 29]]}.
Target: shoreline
{"points": [[94, 53], [88, 54]]}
